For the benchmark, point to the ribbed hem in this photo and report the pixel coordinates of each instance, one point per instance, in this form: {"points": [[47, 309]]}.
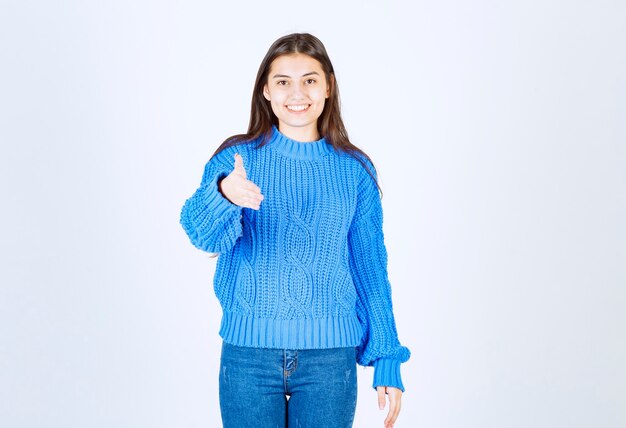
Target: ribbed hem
{"points": [[307, 333], [214, 201], [211, 221], [387, 373], [297, 149]]}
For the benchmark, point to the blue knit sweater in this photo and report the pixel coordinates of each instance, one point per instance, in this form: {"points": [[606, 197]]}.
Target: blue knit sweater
{"points": [[309, 268]]}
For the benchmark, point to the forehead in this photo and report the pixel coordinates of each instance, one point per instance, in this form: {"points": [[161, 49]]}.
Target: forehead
{"points": [[295, 65]]}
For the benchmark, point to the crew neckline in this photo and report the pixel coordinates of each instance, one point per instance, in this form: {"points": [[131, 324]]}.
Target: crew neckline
{"points": [[298, 149]]}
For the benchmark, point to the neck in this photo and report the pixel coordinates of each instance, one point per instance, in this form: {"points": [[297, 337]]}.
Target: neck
{"points": [[302, 134]]}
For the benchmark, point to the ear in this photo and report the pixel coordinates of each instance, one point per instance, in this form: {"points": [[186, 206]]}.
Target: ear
{"points": [[266, 92], [332, 77]]}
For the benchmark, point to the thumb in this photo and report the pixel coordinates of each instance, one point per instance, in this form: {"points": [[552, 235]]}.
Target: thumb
{"points": [[239, 169], [381, 397]]}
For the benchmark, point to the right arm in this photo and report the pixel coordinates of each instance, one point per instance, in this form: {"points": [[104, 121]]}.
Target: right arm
{"points": [[211, 221]]}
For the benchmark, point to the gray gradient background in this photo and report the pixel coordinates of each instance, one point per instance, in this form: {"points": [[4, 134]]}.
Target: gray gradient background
{"points": [[499, 132]]}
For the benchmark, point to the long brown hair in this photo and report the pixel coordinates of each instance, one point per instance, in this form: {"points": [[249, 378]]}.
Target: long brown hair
{"points": [[329, 124]]}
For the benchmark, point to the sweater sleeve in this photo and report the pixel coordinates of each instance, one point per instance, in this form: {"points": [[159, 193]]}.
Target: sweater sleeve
{"points": [[379, 346], [211, 221]]}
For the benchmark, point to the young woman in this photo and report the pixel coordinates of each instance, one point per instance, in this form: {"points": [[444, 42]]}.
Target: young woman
{"points": [[293, 209]]}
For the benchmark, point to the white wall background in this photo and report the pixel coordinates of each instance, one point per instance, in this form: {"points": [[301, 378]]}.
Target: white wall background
{"points": [[499, 132]]}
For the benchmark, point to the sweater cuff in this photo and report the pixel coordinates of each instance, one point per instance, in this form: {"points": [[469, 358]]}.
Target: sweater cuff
{"points": [[214, 201], [387, 373]]}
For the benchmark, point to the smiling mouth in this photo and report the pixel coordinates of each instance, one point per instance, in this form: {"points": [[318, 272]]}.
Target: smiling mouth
{"points": [[298, 108]]}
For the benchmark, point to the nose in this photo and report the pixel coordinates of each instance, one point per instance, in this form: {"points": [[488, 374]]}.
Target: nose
{"points": [[297, 92]]}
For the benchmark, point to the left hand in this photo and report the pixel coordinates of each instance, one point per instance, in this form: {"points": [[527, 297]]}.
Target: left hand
{"points": [[395, 398]]}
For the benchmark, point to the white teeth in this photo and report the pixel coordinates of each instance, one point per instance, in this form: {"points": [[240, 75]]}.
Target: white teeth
{"points": [[298, 108]]}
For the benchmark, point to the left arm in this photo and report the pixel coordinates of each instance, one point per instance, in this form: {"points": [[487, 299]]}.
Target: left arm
{"points": [[380, 346]]}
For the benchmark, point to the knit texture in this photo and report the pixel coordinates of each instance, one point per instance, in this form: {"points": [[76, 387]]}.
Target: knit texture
{"points": [[309, 268]]}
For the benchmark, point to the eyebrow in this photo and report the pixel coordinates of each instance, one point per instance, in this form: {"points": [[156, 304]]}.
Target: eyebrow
{"points": [[305, 74]]}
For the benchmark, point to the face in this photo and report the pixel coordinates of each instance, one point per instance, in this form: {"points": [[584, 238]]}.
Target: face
{"points": [[297, 90]]}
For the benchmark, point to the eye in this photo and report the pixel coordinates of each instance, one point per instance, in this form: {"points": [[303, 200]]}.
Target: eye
{"points": [[278, 82], [313, 80]]}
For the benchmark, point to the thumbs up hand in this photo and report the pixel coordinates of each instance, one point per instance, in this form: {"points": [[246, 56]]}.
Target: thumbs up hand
{"points": [[238, 189]]}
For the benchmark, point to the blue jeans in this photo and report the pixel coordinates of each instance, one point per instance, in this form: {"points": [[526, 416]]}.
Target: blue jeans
{"points": [[254, 384]]}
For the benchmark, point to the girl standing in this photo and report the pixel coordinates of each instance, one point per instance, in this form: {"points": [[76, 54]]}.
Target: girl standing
{"points": [[293, 210]]}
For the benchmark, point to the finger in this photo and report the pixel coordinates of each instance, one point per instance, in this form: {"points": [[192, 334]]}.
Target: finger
{"points": [[254, 191], [239, 169], [249, 185], [393, 410], [254, 198], [381, 397], [396, 396], [389, 419], [255, 205], [250, 203], [258, 197]]}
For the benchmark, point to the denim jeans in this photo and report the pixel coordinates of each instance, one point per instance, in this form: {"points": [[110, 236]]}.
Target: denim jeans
{"points": [[254, 384]]}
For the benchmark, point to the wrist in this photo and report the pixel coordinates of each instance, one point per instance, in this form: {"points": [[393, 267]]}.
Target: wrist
{"points": [[219, 188]]}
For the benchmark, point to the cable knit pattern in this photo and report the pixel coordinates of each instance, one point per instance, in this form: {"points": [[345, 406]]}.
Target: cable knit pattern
{"points": [[309, 268]]}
